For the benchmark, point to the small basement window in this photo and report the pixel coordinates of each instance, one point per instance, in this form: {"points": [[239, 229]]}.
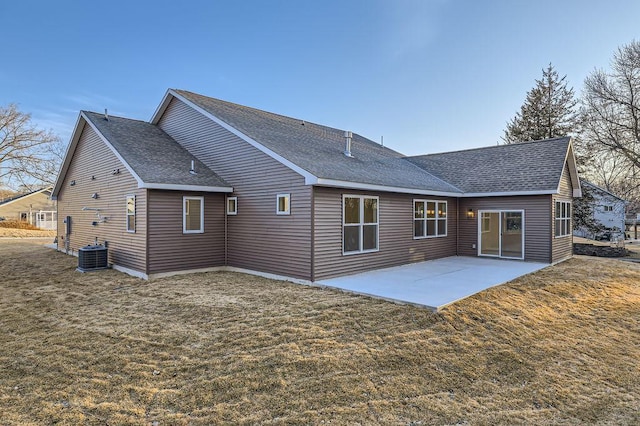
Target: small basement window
{"points": [[131, 213], [192, 215], [232, 206], [283, 204]]}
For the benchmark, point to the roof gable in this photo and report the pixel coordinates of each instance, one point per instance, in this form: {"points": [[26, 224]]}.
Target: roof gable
{"points": [[153, 158], [534, 167]]}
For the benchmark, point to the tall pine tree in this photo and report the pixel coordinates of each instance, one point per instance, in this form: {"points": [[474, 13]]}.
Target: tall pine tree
{"points": [[549, 111]]}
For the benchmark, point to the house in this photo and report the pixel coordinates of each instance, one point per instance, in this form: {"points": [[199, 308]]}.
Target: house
{"points": [[608, 212], [35, 207], [209, 184]]}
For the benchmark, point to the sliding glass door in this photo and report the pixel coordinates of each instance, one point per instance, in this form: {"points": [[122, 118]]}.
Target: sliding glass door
{"points": [[501, 233]]}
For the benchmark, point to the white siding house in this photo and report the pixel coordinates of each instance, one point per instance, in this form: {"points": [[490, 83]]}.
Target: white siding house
{"points": [[608, 210]]}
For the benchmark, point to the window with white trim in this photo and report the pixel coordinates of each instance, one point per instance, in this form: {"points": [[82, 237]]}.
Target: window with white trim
{"points": [[429, 218], [131, 213], [232, 206], [283, 204], [192, 215], [359, 224], [563, 218], [608, 208]]}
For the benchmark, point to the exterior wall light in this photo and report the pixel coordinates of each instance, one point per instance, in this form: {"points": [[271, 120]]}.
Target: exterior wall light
{"points": [[470, 214]]}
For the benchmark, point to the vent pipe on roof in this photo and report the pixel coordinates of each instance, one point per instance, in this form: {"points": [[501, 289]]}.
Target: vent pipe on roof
{"points": [[347, 149], [106, 115], [192, 170]]}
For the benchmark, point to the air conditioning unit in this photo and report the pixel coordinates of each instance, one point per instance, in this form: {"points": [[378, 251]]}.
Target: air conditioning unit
{"points": [[92, 258]]}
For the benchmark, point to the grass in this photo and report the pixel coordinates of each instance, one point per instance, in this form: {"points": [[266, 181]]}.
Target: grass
{"points": [[17, 224], [560, 346], [20, 229]]}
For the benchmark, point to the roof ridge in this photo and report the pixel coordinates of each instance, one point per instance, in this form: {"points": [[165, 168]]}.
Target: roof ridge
{"points": [[490, 147], [287, 117], [114, 116], [256, 109]]}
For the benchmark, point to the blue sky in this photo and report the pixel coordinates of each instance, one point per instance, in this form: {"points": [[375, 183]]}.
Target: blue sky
{"points": [[429, 76]]}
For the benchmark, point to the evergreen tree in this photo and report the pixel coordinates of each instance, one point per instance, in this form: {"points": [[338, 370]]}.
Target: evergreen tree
{"points": [[583, 212], [549, 111]]}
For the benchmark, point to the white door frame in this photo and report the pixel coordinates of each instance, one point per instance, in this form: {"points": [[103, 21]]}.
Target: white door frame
{"points": [[499, 211]]}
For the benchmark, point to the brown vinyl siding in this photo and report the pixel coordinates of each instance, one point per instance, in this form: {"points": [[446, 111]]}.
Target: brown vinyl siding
{"points": [[91, 169], [537, 223], [170, 249], [562, 247], [258, 238], [396, 243]]}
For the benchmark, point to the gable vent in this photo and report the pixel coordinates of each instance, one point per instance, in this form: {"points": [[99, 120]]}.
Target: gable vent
{"points": [[347, 137]]}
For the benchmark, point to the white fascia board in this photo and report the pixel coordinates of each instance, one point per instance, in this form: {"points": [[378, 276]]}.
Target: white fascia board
{"points": [[307, 176], [570, 159], [71, 148], [370, 187], [193, 188], [506, 193], [114, 151], [162, 107]]}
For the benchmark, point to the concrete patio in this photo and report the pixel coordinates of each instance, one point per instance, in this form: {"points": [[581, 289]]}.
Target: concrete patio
{"points": [[435, 283]]}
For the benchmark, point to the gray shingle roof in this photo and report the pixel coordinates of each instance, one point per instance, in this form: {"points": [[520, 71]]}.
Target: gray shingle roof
{"points": [[319, 149], [519, 167], [152, 154]]}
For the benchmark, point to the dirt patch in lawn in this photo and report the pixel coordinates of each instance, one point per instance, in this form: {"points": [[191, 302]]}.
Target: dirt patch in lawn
{"points": [[558, 346]]}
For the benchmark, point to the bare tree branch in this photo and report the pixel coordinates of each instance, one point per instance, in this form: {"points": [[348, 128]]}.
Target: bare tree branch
{"points": [[29, 156]]}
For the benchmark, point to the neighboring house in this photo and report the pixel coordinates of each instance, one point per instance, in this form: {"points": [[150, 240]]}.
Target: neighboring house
{"points": [[35, 207], [208, 184], [608, 211]]}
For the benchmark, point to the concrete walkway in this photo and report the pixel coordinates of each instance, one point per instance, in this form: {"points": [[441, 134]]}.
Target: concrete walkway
{"points": [[435, 283]]}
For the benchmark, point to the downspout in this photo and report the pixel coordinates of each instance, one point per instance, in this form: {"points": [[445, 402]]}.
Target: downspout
{"points": [[458, 226], [226, 231], [146, 232], [313, 234]]}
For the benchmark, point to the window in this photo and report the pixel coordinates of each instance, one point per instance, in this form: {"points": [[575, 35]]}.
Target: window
{"points": [[608, 208], [232, 206], [429, 218], [486, 222], [193, 215], [283, 205], [360, 224], [563, 218], [131, 213]]}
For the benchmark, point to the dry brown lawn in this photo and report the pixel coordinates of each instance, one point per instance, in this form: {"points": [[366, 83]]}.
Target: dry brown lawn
{"points": [[561, 346], [26, 233]]}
